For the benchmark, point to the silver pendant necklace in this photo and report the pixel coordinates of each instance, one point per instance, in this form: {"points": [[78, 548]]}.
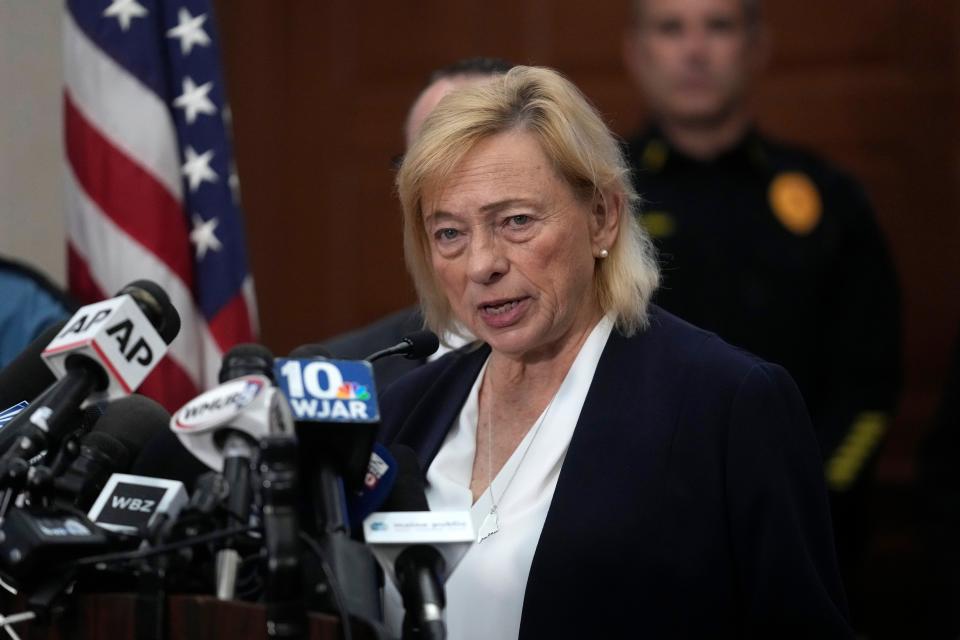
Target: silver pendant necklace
{"points": [[491, 523]]}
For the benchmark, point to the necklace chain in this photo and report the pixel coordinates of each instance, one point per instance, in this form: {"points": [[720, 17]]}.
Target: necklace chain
{"points": [[491, 523]]}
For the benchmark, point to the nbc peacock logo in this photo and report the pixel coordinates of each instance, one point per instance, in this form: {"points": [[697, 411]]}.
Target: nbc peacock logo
{"points": [[352, 391]]}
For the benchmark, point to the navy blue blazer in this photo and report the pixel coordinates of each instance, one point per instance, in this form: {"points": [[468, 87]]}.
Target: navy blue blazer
{"points": [[691, 502]]}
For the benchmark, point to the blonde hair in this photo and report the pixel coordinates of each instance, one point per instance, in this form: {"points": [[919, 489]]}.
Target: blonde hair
{"points": [[584, 153]]}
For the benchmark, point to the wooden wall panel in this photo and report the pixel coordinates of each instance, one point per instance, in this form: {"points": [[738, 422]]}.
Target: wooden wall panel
{"points": [[320, 91]]}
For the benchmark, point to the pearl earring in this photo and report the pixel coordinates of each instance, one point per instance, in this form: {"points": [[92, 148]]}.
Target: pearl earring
{"points": [[604, 253]]}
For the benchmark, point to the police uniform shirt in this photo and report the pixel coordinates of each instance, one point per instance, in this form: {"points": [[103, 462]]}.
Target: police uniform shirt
{"points": [[779, 253]]}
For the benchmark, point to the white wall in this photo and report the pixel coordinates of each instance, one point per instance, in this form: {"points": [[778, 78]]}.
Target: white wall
{"points": [[31, 157]]}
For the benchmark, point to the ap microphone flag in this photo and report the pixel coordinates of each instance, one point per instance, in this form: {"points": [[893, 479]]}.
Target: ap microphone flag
{"points": [[115, 333]]}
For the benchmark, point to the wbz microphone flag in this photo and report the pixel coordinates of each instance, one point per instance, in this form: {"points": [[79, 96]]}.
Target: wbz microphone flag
{"points": [[150, 182], [128, 503]]}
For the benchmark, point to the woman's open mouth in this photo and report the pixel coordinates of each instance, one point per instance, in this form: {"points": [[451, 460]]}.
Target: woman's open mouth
{"points": [[504, 312]]}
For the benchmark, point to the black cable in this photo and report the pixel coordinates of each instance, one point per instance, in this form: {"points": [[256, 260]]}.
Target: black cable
{"points": [[140, 554], [338, 599]]}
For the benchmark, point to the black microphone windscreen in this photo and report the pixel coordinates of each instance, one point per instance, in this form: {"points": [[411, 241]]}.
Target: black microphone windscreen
{"points": [[27, 375], [133, 420], [110, 446], [117, 438], [246, 359], [164, 456], [409, 489], [315, 350], [156, 305], [422, 344]]}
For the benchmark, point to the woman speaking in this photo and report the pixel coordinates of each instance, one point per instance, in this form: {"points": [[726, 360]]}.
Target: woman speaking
{"points": [[629, 475]]}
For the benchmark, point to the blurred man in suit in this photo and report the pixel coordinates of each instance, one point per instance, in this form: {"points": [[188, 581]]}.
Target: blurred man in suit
{"points": [[389, 330], [765, 243]]}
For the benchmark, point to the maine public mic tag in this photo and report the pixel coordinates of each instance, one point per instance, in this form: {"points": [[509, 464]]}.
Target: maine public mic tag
{"points": [[322, 390], [128, 503], [114, 333], [388, 533]]}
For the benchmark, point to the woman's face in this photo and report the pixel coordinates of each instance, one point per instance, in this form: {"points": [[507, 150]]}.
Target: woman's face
{"points": [[513, 248]]}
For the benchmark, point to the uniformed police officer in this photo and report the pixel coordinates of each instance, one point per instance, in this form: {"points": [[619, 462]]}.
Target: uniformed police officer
{"points": [[766, 244]]}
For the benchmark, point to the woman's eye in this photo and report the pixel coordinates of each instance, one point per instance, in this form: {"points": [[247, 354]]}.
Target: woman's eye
{"points": [[446, 234], [519, 220]]}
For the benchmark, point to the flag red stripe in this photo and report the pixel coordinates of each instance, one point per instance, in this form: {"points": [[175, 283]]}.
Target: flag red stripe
{"points": [[82, 285], [130, 196], [231, 324], [169, 385]]}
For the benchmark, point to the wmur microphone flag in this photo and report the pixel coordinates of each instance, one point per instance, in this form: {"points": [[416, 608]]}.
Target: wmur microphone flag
{"points": [[151, 187]]}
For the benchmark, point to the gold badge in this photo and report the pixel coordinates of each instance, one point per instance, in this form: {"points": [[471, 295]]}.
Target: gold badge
{"points": [[796, 202]]}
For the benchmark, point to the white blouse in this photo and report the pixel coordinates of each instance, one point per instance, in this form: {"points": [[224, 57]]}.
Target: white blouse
{"points": [[487, 580]]}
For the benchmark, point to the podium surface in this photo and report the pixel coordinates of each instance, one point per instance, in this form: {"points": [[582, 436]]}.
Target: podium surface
{"points": [[189, 617]]}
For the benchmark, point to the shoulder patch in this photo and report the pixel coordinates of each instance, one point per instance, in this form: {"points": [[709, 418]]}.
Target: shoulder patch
{"points": [[659, 224], [654, 155]]}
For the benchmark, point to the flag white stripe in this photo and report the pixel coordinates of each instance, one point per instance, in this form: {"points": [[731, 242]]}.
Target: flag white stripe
{"points": [[115, 259], [120, 113]]}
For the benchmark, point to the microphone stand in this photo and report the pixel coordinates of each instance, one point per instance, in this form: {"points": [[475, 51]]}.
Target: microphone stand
{"points": [[352, 563], [283, 589], [236, 471]]}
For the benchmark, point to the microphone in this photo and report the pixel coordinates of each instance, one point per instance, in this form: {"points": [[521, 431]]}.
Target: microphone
{"points": [[377, 485], [334, 404], [23, 379], [314, 350], [242, 360], [116, 439], [415, 346], [420, 569], [247, 405], [246, 359], [335, 408], [123, 338], [283, 587], [27, 376], [106, 348], [137, 504], [35, 541], [403, 537], [222, 426]]}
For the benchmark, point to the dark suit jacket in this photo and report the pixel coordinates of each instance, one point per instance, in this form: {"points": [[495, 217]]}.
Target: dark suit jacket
{"points": [[382, 333], [691, 503]]}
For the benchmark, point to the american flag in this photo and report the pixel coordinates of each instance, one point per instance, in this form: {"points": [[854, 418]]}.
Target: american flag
{"points": [[151, 189]]}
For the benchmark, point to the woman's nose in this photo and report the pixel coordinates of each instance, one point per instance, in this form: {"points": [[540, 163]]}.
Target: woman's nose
{"points": [[487, 261]]}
